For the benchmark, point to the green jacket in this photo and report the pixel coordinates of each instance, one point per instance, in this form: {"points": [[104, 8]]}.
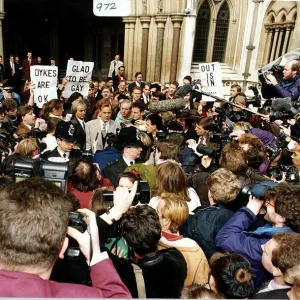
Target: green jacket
{"points": [[146, 172]]}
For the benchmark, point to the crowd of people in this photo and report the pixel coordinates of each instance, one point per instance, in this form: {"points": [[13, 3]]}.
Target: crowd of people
{"points": [[221, 217]]}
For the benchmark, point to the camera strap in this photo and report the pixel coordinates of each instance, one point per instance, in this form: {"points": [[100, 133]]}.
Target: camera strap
{"points": [[140, 283]]}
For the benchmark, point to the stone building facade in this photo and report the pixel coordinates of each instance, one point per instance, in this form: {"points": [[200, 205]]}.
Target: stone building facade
{"points": [[166, 39]]}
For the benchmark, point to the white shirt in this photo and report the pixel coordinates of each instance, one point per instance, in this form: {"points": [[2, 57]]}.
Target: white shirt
{"points": [[273, 286], [81, 123], [106, 125], [128, 162], [67, 154], [29, 126], [146, 99]]}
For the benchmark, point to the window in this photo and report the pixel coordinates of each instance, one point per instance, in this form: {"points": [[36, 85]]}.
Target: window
{"points": [[202, 30], [221, 33]]}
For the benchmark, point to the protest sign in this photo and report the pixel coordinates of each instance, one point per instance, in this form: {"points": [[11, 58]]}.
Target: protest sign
{"points": [[211, 80], [111, 8], [79, 74], [45, 80]]}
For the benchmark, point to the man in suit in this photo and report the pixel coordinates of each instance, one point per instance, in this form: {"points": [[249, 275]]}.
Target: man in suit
{"points": [[29, 61], [12, 71], [138, 82], [2, 75], [114, 66], [97, 130], [34, 222], [131, 145], [146, 93], [28, 120], [79, 112], [65, 137], [119, 77]]}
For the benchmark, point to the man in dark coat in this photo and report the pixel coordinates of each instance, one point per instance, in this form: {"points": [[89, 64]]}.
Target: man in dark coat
{"points": [[163, 271], [203, 226], [131, 145]]}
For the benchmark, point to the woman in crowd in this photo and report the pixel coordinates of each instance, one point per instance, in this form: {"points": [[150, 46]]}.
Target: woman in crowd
{"points": [[50, 139], [170, 178], [231, 276], [173, 212], [53, 109]]}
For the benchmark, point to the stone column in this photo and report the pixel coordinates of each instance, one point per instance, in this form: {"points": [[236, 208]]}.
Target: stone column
{"points": [[145, 37], [186, 46], [286, 39], [160, 20], [177, 20], [129, 45], [289, 46], [275, 44], [279, 42], [2, 14], [267, 46]]}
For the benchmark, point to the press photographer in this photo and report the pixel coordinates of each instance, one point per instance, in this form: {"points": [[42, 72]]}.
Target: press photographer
{"points": [[287, 85]]}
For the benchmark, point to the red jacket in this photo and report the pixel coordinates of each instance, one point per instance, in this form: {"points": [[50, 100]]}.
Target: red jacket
{"points": [[85, 198], [106, 284]]}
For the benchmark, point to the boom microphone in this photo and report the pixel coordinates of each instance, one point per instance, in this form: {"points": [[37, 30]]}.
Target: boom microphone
{"points": [[183, 91], [166, 105], [281, 104]]}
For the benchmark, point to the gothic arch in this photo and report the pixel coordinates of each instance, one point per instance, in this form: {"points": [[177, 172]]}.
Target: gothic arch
{"points": [[280, 15], [211, 5], [271, 18]]}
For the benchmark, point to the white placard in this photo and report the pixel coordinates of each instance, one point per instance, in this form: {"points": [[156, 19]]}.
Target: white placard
{"points": [[211, 80], [45, 80], [79, 73], [111, 8]]}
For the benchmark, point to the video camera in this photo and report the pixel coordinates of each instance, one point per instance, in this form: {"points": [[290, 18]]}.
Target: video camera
{"points": [[218, 138], [259, 190], [256, 100], [284, 109], [275, 70], [77, 221], [142, 196], [291, 173]]}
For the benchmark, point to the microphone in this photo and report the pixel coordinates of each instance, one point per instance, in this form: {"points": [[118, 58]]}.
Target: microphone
{"points": [[183, 91], [166, 105], [282, 104]]}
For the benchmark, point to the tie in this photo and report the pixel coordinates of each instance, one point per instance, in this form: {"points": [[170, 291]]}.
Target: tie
{"points": [[64, 155], [131, 163], [115, 63], [12, 69], [29, 60], [83, 125], [201, 140], [103, 130]]}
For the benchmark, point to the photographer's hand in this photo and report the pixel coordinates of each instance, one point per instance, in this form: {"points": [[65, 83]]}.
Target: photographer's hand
{"points": [[84, 239], [254, 204], [271, 78], [122, 201], [206, 161]]}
